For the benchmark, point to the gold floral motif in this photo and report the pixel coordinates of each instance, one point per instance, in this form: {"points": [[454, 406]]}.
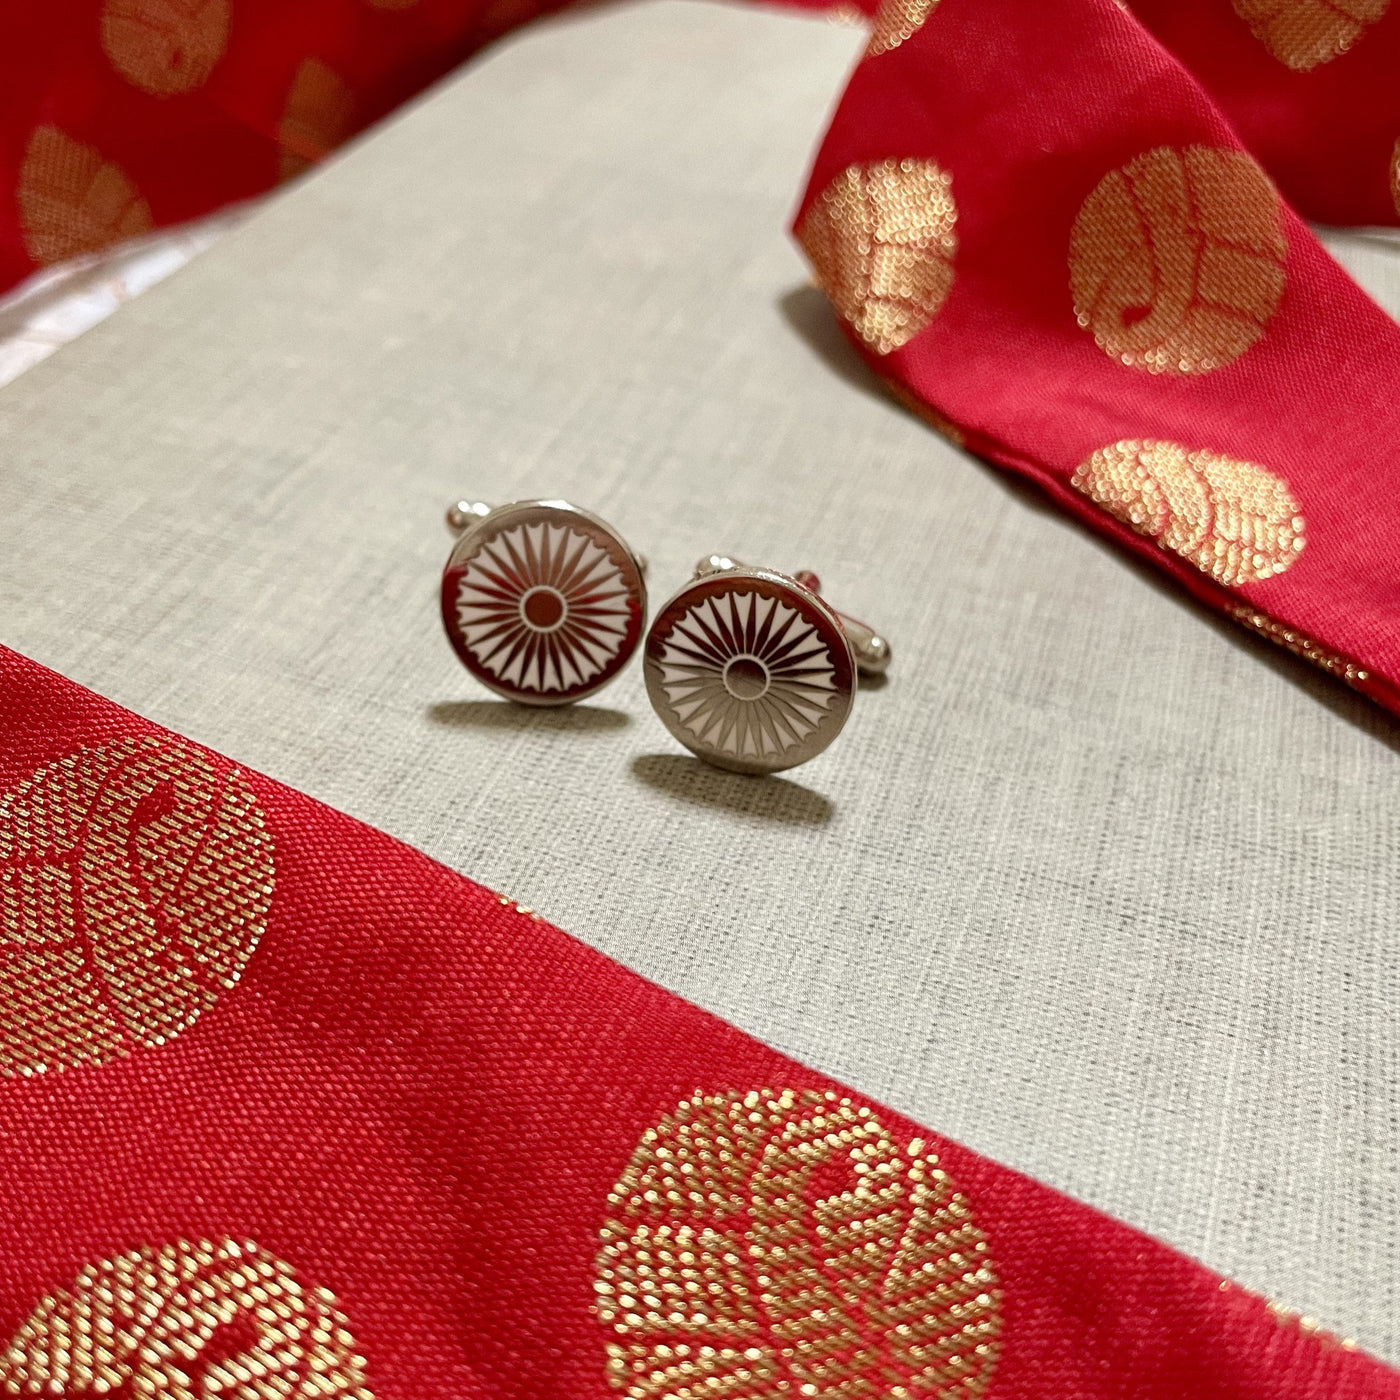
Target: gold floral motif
{"points": [[1306, 33], [780, 1244], [881, 241], [317, 117], [72, 201], [187, 1322], [1177, 260], [896, 21], [135, 881], [1234, 520], [165, 46]]}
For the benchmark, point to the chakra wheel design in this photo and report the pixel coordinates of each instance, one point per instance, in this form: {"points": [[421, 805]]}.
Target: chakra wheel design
{"points": [[186, 1321], [543, 603], [785, 1243], [750, 671]]}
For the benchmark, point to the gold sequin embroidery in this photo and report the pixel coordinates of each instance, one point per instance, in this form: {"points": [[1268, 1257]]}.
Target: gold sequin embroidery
{"points": [[316, 119], [1234, 520], [135, 881], [783, 1244], [881, 241], [1177, 260], [1300, 644], [896, 21], [165, 46], [72, 201], [187, 1321], [1306, 33]]}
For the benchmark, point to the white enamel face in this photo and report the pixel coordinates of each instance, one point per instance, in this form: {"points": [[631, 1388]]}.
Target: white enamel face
{"points": [[751, 680], [543, 609]]}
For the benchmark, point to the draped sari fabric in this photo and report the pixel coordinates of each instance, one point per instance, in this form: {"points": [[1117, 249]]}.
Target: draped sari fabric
{"points": [[287, 1110]]}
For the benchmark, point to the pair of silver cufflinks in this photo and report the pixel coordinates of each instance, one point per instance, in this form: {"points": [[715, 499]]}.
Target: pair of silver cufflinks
{"points": [[752, 670]]}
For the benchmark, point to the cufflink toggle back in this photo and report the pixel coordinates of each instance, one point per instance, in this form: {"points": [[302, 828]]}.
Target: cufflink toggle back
{"points": [[544, 603], [752, 670]]}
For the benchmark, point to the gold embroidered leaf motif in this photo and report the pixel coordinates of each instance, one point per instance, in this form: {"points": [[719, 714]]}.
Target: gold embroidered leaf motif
{"points": [[165, 46], [1234, 520], [783, 1244], [316, 118], [1306, 33], [881, 242], [1177, 260], [187, 1321], [71, 201], [135, 881], [896, 21]]}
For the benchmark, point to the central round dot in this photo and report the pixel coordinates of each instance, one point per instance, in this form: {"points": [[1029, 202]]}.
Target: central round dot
{"points": [[745, 678], [543, 608]]}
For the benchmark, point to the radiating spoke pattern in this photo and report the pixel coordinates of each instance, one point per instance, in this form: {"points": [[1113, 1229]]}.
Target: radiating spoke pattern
{"points": [[543, 607], [747, 675]]}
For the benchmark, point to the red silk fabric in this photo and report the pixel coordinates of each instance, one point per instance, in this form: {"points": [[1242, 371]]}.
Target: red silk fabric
{"points": [[1224, 401], [385, 1140]]}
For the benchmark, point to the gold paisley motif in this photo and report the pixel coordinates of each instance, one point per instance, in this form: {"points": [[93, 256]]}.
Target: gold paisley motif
{"points": [[1306, 33], [896, 21], [187, 1321], [316, 118], [1234, 520], [135, 881], [165, 46], [72, 202], [881, 242], [1177, 260], [783, 1244]]}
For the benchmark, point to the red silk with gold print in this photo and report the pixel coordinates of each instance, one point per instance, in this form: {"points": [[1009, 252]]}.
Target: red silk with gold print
{"points": [[1040, 228], [288, 1110]]}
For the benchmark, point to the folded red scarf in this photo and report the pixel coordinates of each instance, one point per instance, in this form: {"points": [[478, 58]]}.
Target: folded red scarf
{"points": [[288, 1110]]}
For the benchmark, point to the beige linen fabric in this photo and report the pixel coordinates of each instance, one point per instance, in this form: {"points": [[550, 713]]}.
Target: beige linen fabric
{"points": [[1096, 884]]}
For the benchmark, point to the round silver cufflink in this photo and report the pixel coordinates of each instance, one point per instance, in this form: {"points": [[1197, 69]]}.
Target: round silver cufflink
{"points": [[752, 670], [543, 603]]}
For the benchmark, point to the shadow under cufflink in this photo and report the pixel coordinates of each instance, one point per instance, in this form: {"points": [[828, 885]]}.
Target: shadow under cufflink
{"points": [[505, 714], [767, 797]]}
